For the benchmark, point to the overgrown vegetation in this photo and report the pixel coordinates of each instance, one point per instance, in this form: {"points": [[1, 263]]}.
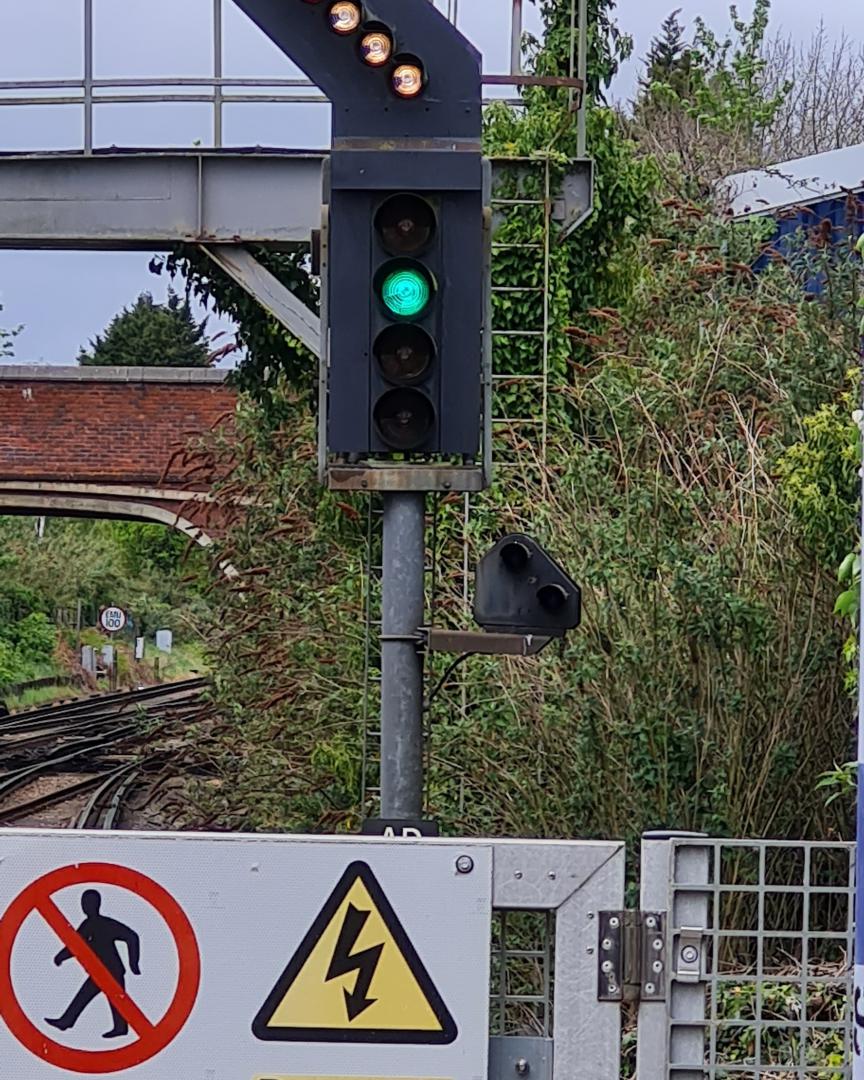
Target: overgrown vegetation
{"points": [[674, 486], [49, 575], [712, 105], [697, 474], [707, 107], [709, 643]]}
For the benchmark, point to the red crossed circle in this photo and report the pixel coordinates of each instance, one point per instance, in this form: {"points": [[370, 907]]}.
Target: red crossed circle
{"points": [[152, 1038]]}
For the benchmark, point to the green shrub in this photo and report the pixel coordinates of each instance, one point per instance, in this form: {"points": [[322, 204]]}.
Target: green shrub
{"points": [[10, 663], [34, 637]]}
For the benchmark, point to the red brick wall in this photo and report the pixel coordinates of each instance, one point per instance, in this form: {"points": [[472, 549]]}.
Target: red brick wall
{"points": [[112, 431]]}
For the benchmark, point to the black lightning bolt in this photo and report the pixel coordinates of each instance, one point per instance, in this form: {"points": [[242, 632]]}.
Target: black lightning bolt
{"points": [[364, 963]]}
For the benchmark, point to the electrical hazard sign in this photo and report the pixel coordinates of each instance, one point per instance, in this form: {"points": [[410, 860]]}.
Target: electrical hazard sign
{"points": [[356, 977], [190, 956]]}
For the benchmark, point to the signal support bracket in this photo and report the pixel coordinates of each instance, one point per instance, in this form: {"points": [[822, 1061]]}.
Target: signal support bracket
{"points": [[241, 265], [390, 477], [476, 641]]}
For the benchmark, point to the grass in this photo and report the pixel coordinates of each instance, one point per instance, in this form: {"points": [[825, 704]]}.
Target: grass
{"points": [[42, 695], [185, 661]]}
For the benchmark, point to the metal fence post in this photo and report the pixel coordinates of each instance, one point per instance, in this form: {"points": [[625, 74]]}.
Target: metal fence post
{"points": [[672, 1032], [575, 881]]}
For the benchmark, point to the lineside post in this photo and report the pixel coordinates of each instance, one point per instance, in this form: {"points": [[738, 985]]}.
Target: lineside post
{"points": [[857, 1003], [401, 662]]}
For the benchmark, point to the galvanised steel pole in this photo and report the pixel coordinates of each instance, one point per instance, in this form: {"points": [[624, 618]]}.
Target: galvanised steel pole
{"points": [[858, 995], [402, 586]]}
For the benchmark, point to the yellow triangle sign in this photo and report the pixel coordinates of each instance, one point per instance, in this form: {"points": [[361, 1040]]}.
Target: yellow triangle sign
{"points": [[355, 977]]}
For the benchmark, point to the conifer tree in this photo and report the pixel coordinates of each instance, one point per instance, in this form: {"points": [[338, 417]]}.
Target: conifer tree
{"points": [[669, 59], [148, 334], [7, 337]]}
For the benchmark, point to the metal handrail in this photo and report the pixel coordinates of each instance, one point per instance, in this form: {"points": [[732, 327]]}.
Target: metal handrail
{"points": [[88, 92]]}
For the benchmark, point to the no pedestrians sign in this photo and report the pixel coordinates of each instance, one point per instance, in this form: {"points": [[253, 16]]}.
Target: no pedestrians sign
{"points": [[94, 946]]}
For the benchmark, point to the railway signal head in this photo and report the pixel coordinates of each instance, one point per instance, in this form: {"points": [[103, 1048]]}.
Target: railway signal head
{"points": [[367, 57], [403, 331], [521, 589], [404, 251], [406, 316], [406, 267]]}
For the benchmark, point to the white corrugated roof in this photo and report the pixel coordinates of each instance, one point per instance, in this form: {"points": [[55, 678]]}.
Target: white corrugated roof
{"points": [[803, 180]]}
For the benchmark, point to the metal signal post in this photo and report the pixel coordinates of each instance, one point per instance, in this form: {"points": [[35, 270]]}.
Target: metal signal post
{"points": [[857, 1004], [402, 593], [404, 297]]}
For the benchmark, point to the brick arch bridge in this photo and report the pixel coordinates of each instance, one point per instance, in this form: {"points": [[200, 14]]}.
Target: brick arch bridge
{"points": [[108, 442]]}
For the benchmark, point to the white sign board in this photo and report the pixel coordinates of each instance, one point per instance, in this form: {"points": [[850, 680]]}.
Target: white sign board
{"points": [[112, 619], [242, 958]]}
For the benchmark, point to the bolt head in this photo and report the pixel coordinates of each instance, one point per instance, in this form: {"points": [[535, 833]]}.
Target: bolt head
{"points": [[651, 922], [606, 944], [614, 922], [657, 944], [650, 988], [522, 1067], [657, 967], [689, 954], [606, 966], [612, 988], [464, 864]]}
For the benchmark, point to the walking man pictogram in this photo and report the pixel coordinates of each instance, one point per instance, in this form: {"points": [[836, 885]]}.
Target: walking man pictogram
{"points": [[102, 935]]}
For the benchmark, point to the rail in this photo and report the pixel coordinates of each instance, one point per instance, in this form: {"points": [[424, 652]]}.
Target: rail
{"points": [[54, 755]]}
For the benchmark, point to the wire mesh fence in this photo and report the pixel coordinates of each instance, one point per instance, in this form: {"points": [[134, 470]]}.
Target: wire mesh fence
{"points": [[522, 976], [778, 939]]}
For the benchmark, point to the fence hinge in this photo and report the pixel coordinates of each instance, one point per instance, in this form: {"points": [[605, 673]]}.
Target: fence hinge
{"points": [[631, 956]]}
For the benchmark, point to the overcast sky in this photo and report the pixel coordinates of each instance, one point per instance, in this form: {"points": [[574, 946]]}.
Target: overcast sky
{"points": [[63, 299]]}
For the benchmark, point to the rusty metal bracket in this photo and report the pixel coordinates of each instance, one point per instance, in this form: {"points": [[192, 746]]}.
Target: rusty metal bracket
{"points": [[407, 477], [551, 81]]}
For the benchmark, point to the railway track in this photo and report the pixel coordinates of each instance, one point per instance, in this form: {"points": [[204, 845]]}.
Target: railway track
{"points": [[89, 757]]}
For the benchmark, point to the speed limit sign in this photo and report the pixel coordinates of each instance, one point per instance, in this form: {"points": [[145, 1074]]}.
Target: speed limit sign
{"points": [[112, 619]]}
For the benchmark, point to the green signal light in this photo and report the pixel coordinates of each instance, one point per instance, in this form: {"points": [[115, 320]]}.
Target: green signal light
{"points": [[406, 292]]}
